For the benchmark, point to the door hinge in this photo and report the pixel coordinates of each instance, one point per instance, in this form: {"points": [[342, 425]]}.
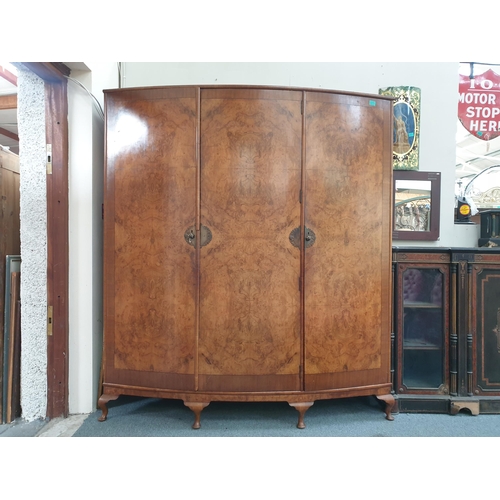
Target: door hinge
{"points": [[300, 283], [300, 196], [302, 107], [49, 159], [102, 211], [50, 320]]}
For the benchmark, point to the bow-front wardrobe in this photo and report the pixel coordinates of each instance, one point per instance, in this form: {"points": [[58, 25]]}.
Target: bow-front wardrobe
{"points": [[247, 245]]}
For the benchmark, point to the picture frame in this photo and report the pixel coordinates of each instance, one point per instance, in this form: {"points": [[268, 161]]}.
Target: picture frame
{"points": [[406, 129], [12, 264], [417, 200]]}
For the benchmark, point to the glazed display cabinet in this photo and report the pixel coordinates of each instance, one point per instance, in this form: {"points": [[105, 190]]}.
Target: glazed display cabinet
{"points": [[422, 323], [446, 355], [235, 264]]}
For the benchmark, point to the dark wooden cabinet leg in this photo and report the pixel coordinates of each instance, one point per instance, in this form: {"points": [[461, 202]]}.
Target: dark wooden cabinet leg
{"points": [[196, 409], [389, 404], [301, 408], [103, 400]]}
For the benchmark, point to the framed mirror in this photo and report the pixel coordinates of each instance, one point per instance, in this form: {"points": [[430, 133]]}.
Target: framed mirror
{"points": [[417, 198]]}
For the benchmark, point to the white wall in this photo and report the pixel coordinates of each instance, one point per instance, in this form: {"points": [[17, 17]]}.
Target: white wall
{"points": [[86, 166], [439, 93]]}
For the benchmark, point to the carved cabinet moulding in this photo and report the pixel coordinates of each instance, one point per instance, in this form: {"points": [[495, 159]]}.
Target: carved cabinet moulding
{"points": [[422, 257]]}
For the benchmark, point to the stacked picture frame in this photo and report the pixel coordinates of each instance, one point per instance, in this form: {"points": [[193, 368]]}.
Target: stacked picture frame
{"points": [[11, 400], [10, 249]]}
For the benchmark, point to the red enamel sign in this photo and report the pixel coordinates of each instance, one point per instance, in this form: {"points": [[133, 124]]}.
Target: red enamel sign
{"points": [[479, 105]]}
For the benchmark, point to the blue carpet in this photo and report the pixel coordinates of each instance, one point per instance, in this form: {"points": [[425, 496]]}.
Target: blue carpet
{"points": [[351, 417]]}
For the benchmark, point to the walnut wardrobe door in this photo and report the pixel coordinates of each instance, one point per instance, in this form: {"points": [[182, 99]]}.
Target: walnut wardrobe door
{"points": [[249, 295], [150, 270], [347, 270]]}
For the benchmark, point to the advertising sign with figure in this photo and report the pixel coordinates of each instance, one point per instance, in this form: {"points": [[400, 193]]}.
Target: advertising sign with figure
{"points": [[406, 126]]}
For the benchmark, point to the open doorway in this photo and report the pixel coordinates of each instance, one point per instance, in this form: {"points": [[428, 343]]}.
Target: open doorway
{"points": [[10, 259]]}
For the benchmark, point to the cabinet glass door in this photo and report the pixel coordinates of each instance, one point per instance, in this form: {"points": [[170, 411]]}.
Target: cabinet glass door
{"points": [[423, 327]]}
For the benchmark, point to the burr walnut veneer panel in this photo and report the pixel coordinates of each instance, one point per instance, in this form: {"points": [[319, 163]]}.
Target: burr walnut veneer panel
{"points": [[247, 245], [250, 185], [347, 273], [150, 271]]}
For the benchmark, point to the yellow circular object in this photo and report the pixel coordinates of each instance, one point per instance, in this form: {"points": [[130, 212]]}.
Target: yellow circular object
{"points": [[465, 209]]}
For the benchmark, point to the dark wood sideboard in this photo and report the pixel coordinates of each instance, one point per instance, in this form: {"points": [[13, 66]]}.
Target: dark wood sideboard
{"points": [[446, 345]]}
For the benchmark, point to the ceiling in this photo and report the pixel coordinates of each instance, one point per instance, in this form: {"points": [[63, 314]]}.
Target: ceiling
{"points": [[473, 154]]}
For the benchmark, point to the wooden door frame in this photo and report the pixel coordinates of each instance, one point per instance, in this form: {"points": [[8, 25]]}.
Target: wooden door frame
{"points": [[56, 126]]}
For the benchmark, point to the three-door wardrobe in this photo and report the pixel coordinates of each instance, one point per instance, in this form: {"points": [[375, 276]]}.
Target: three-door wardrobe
{"points": [[247, 245]]}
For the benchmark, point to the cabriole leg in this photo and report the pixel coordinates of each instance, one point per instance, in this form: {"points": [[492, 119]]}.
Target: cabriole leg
{"points": [[389, 404], [103, 400], [196, 409], [301, 408]]}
